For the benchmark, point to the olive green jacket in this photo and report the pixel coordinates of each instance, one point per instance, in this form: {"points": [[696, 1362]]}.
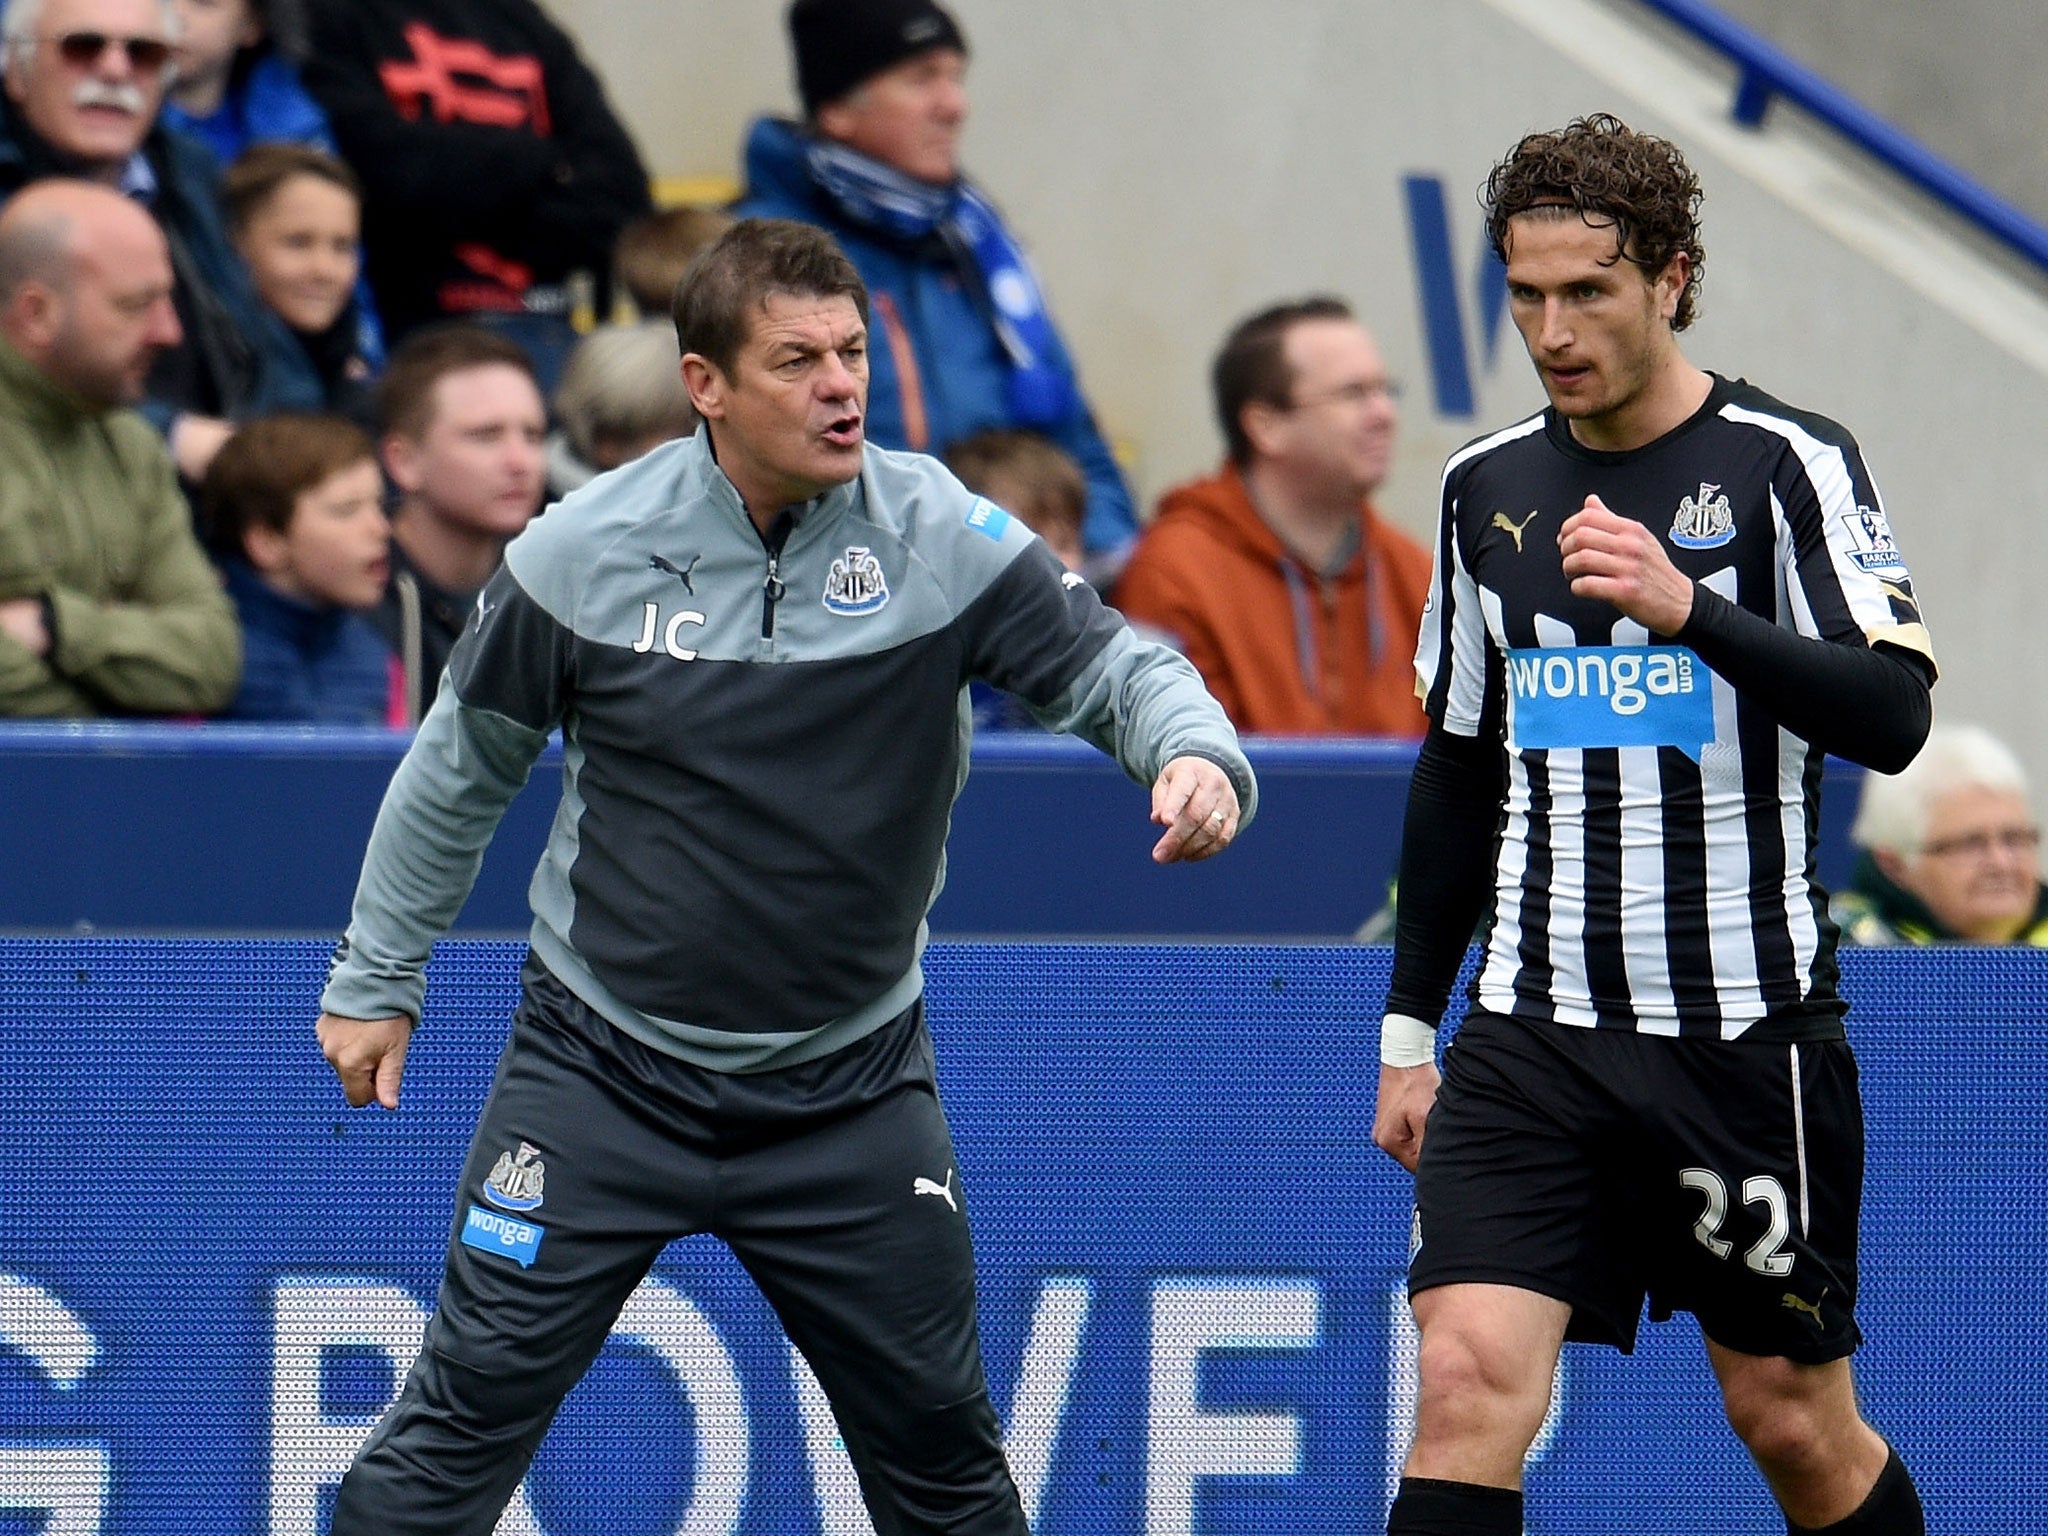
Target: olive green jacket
{"points": [[92, 520]]}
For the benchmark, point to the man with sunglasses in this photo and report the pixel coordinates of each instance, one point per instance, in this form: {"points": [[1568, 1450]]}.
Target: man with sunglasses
{"points": [[84, 84]]}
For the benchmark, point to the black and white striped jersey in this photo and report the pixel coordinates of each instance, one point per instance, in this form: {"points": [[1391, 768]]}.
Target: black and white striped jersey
{"points": [[1655, 866]]}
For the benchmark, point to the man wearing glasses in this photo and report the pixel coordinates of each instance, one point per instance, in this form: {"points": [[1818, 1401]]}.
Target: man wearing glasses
{"points": [[1293, 597], [84, 81], [1951, 850]]}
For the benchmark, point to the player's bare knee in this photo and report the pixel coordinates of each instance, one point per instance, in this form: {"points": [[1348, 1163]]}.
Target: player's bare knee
{"points": [[1786, 1416], [1477, 1385]]}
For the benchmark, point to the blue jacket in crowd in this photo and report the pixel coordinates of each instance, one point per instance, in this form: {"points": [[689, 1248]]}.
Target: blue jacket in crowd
{"points": [[265, 104], [302, 663], [921, 289]]}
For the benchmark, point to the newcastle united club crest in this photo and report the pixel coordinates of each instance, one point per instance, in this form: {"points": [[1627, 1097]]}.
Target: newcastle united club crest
{"points": [[517, 1181], [1705, 521], [855, 585]]}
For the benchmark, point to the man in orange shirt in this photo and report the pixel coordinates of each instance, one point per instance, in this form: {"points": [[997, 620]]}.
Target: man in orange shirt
{"points": [[1295, 600]]}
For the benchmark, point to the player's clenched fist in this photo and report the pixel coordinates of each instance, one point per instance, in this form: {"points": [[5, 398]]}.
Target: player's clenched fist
{"points": [[1621, 562]]}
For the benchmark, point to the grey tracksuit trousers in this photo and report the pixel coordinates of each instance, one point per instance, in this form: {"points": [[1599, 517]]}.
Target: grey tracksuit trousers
{"points": [[809, 1174]]}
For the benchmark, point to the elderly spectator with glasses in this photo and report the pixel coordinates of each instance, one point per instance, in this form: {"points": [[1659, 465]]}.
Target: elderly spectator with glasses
{"points": [[84, 86], [1951, 850]]}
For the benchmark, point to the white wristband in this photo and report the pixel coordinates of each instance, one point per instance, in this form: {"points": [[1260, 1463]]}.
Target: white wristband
{"points": [[1406, 1041]]}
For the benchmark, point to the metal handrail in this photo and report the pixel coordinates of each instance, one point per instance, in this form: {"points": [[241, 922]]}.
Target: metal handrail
{"points": [[1764, 72]]}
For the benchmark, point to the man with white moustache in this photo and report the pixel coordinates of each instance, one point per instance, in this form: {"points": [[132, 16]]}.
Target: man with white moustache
{"points": [[84, 85]]}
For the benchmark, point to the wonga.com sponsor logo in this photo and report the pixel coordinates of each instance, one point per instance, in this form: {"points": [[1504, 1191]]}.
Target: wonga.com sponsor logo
{"points": [[1610, 696]]}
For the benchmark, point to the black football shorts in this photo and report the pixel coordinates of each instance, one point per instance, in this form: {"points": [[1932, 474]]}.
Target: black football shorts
{"points": [[1601, 1167]]}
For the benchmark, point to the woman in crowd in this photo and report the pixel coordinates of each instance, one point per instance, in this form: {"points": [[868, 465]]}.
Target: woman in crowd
{"points": [[295, 216]]}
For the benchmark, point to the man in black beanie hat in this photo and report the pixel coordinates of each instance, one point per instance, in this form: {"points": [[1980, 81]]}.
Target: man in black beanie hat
{"points": [[963, 339]]}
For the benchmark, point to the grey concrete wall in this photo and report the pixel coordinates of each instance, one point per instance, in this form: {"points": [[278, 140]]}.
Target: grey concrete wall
{"points": [[1967, 78]]}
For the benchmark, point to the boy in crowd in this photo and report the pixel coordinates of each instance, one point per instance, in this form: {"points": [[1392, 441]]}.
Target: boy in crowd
{"points": [[294, 510]]}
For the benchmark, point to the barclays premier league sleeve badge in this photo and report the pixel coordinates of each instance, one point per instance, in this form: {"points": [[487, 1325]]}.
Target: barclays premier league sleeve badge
{"points": [[1610, 696]]}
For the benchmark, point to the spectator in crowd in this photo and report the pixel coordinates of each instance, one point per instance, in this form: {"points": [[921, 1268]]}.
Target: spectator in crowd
{"points": [[463, 426], [622, 394], [107, 603], [295, 216], [1951, 850], [1295, 600], [654, 252], [494, 170], [294, 508], [84, 86], [1032, 478], [233, 86], [962, 336]]}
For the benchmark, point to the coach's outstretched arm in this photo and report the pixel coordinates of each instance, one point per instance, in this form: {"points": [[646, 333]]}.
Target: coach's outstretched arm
{"points": [[1043, 634], [1145, 705], [470, 759]]}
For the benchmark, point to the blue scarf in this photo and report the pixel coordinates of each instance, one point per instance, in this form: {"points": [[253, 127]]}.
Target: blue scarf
{"points": [[874, 194]]}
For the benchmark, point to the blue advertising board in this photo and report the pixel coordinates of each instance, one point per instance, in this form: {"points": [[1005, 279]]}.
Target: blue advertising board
{"points": [[212, 1273], [260, 829]]}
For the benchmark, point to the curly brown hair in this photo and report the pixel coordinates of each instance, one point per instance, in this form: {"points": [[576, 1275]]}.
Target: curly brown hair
{"points": [[1612, 175]]}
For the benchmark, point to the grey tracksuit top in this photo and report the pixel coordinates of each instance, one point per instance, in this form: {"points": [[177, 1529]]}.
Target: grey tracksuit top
{"points": [[762, 746]]}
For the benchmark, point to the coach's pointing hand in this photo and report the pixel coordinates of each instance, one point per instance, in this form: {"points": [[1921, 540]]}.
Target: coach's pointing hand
{"points": [[368, 1055], [1620, 561]]}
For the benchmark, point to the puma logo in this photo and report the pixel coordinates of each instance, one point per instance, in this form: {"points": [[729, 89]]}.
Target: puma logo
{"points": [[1500, 521], [923, 1186], [1901, 596], [1810, 1308], [680, 572]]}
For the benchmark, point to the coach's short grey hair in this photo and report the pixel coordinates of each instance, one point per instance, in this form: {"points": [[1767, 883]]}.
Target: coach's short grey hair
{"points": [[1892, 815], [18, 28]]}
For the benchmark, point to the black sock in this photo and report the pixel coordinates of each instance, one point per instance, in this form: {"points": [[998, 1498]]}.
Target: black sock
{"points": [[1891, 1509], [1427, 1507]]}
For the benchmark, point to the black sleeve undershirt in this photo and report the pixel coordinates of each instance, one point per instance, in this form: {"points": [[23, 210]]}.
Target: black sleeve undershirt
{"points": [[1447, 853], [1868, 704]]}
